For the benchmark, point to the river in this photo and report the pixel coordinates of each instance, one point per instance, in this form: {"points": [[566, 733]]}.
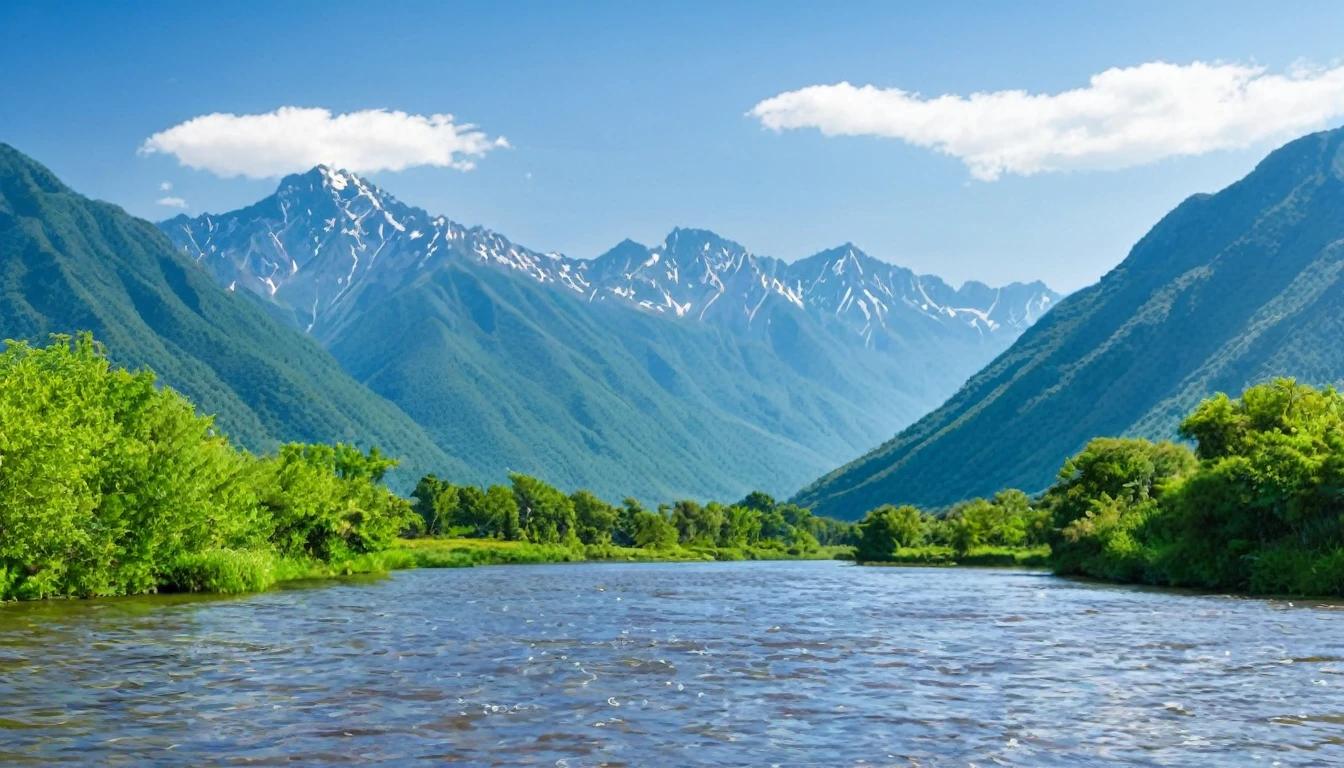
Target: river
{"points": [[786, 663]]}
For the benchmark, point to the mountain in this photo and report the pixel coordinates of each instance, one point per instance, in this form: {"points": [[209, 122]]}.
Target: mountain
{"points": [[1228, 290], [696, 272], [68, 263], [690, 368], [327, 239]]}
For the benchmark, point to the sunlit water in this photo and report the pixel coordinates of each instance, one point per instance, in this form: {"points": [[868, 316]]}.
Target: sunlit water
{"points": [[667, 665]]}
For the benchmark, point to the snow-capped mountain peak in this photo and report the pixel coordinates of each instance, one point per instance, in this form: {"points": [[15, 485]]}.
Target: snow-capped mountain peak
{"points": [[327, 235]]}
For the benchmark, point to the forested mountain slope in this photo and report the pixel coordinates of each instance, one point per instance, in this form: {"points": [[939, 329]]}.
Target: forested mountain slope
{"points": [[1226, 291]]}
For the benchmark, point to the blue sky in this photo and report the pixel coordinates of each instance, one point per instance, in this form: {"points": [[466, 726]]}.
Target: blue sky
{"points": [[624, 120]]}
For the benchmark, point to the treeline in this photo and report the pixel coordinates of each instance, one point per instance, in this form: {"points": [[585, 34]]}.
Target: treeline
{"points": [[112, 486], [530, 510], [1254, 503], [1004, 530]]}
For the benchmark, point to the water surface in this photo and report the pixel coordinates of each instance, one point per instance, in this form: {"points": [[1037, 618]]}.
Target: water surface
{"points": [[683, 664]]}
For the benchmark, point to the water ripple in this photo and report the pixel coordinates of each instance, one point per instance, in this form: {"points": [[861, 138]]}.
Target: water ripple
{"points": [[714, 664]]}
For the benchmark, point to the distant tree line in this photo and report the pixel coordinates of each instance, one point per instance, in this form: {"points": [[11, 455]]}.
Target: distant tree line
{"points": [[1008, 521], [530, 510]]}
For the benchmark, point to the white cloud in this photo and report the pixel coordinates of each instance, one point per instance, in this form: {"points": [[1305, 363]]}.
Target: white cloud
{"points": [[294, 139], [165, 186], [1124, 117], [172, 202]]}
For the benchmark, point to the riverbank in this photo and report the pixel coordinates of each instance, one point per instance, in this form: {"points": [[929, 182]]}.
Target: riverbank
{"points": [[229, 572], [456, 553], [1019, 557]]}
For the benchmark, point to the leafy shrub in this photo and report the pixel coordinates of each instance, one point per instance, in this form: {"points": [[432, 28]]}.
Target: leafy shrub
{"points": [[111, 485], [226, 571]]}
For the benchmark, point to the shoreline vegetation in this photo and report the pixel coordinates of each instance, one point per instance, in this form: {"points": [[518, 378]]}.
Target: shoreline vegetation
{"points": [[1252, 503], [112, 485]]}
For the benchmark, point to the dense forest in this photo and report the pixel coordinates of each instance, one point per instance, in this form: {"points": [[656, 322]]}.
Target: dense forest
{"points": [[1257, 506]]}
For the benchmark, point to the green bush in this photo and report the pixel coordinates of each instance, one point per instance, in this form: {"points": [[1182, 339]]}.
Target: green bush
{"points": [[226, 571], [1256, 507], [110, 485]]}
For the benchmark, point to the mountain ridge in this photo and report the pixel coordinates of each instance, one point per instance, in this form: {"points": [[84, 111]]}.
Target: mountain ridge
{"points": [[356, 214]]}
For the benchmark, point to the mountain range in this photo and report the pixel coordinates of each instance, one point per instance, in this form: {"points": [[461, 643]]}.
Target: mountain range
{"points": [[327, 236], [1226, 291], [690, 368]]}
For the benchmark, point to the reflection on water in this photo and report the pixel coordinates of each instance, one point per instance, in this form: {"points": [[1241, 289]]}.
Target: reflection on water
{"points": [[714, 664]]}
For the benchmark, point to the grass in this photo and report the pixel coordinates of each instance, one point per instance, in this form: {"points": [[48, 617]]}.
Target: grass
{"points": [[977, 556], [441, 553], [225, 571], [234, 572], [231, 572]]}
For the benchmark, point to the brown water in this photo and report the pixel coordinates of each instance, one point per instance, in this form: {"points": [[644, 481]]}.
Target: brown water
{"points": [[664, 665]]}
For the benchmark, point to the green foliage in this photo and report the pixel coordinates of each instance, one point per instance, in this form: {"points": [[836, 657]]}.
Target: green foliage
{"points": [[224, 571], [1007, 523], [327, 502], [449, 553], [1257, 506], [436, 503], [1104, 497], [547, 515], [996, 557], [595, 518], [1261, 510], [536, 512], [110, 485], [653, 531], [886, 529]]}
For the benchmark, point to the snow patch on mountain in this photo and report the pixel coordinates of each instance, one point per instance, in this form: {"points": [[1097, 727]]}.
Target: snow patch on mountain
{"points": [[328, 235]]}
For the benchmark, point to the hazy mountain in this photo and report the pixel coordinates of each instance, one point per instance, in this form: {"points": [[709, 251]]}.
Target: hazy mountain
{"points": [[1226, 291], [68, 263], [692, 367]]}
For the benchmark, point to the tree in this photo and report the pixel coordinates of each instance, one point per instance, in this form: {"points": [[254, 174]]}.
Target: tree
{"points": [[886, 529], [547, 515], [624, 532], [696, 524], [653, 531], [758, 501], [741, 527], [500, 507], [111, 484], [1126, 469], [596, 519], [437, 503]]}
